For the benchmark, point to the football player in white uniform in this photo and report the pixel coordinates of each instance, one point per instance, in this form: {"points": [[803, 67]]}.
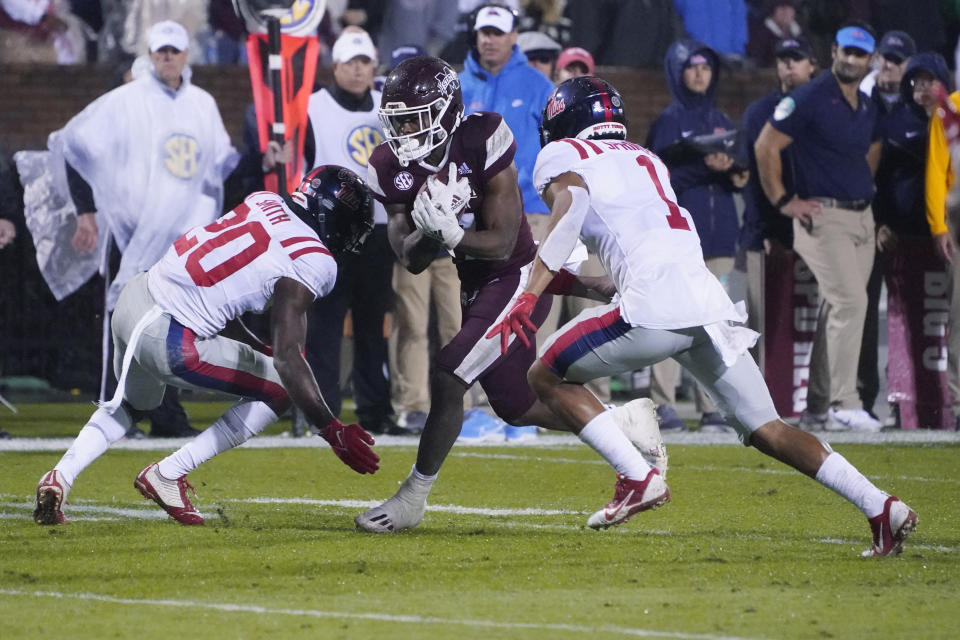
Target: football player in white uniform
{"points": [[178, 324], [616, 197]]}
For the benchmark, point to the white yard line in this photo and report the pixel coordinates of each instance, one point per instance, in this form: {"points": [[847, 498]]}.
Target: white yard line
{"points": [[547, 441], [90, 510], [377, 617]]}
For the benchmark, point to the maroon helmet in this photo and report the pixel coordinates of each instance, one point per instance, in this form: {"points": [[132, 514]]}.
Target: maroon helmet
{"points": [[421, 107]]}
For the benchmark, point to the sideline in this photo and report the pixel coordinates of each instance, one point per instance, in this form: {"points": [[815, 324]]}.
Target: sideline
{"points": [[544, 441]]}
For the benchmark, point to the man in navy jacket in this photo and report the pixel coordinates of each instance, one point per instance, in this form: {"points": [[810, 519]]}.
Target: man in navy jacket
{"points": [[766, 234], [704, 185]]}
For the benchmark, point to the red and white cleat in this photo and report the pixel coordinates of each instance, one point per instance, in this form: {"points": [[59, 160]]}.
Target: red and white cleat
{"points": [[891, 528], [52, 493], [171, 495], [631, 497]]}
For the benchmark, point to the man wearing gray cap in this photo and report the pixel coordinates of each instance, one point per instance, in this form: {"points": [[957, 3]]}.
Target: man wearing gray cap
{"points": [[541, 51], [145, 162]]}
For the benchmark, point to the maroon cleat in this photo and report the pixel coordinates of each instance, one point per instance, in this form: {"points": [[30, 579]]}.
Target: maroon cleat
{"points": [[51, 495], [891, 528], [171, 495], [631, 497]]}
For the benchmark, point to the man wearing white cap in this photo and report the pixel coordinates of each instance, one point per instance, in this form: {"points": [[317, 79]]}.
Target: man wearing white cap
{"points": [[145, 162], [497, 78], [343, 129]]}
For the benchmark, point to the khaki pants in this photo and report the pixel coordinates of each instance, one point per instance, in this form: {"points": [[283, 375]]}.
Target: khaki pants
{"points": [[665, 375], [539, 223], [440, 285], [839, 248]]}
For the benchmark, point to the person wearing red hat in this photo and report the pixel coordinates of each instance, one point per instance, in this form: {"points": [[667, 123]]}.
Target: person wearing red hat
{"points": [[574, 62]]}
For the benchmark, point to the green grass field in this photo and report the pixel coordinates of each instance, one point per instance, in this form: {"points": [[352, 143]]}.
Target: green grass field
{"points": [[746, 549]]}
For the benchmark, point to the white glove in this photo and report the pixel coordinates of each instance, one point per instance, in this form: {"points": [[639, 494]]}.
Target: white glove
{"points": [[434, 223], [451, 197]]}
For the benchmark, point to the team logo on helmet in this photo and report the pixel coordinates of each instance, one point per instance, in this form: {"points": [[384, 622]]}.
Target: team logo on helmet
{"points": [[349, 197], [447, 81], [555, 106], [403, 180]]}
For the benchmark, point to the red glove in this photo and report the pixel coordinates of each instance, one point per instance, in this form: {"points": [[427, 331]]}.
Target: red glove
{"points": [[350, 443], [516, 320]]}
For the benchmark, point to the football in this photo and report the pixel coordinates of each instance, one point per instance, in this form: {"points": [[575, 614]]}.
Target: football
{"points": [[456, 202]]}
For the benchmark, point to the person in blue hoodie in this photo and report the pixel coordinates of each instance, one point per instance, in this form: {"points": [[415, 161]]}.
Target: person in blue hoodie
{"points": [[497, 77], [704, 185]]}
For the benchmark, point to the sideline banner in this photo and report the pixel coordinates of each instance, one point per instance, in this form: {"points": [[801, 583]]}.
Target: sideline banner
{"points": [[791, 304], [918, 308]]}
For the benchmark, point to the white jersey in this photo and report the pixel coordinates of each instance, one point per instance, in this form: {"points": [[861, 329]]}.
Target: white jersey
{"points": [[647, 243], [216, 273], [345, 137], [156, 160]]}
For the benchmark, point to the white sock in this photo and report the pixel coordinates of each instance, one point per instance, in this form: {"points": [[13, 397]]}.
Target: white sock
{"points": [[420, 483], [606, 438], [238, 424], [101, 431], [841, 476]]}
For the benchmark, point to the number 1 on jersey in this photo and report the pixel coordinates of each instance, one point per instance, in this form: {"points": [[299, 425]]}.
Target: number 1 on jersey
{"points": [[675, 219]]}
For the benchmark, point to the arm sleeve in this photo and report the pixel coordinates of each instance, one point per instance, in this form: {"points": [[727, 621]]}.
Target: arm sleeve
{"points": [[938, 177], [80, 191]]}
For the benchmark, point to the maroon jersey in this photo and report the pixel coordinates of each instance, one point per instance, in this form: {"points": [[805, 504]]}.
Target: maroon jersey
{"points": [[482, 146]]}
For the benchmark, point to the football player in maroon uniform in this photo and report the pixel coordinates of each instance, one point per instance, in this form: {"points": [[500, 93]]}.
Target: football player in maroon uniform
{"points": [[449, 181]]}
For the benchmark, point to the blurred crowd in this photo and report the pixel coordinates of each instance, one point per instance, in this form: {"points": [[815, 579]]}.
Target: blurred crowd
{"points": [[747, 182], [616, 32]]}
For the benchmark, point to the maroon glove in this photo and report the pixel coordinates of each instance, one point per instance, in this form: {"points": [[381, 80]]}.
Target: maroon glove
{"points": [[516, 320], [350, 443], [562, 283]]}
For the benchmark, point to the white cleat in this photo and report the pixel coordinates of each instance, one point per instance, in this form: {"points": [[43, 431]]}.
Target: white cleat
{"points": [[403, 511], [638, 421], [852, 420], [630, 497]]}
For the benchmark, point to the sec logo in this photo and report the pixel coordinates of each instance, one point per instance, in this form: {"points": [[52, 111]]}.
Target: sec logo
{"points": [[361, 142], [403, 180], [182, 155]]}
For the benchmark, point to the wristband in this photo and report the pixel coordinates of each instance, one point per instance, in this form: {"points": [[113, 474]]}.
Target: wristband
{"points": [[784, 199]]}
